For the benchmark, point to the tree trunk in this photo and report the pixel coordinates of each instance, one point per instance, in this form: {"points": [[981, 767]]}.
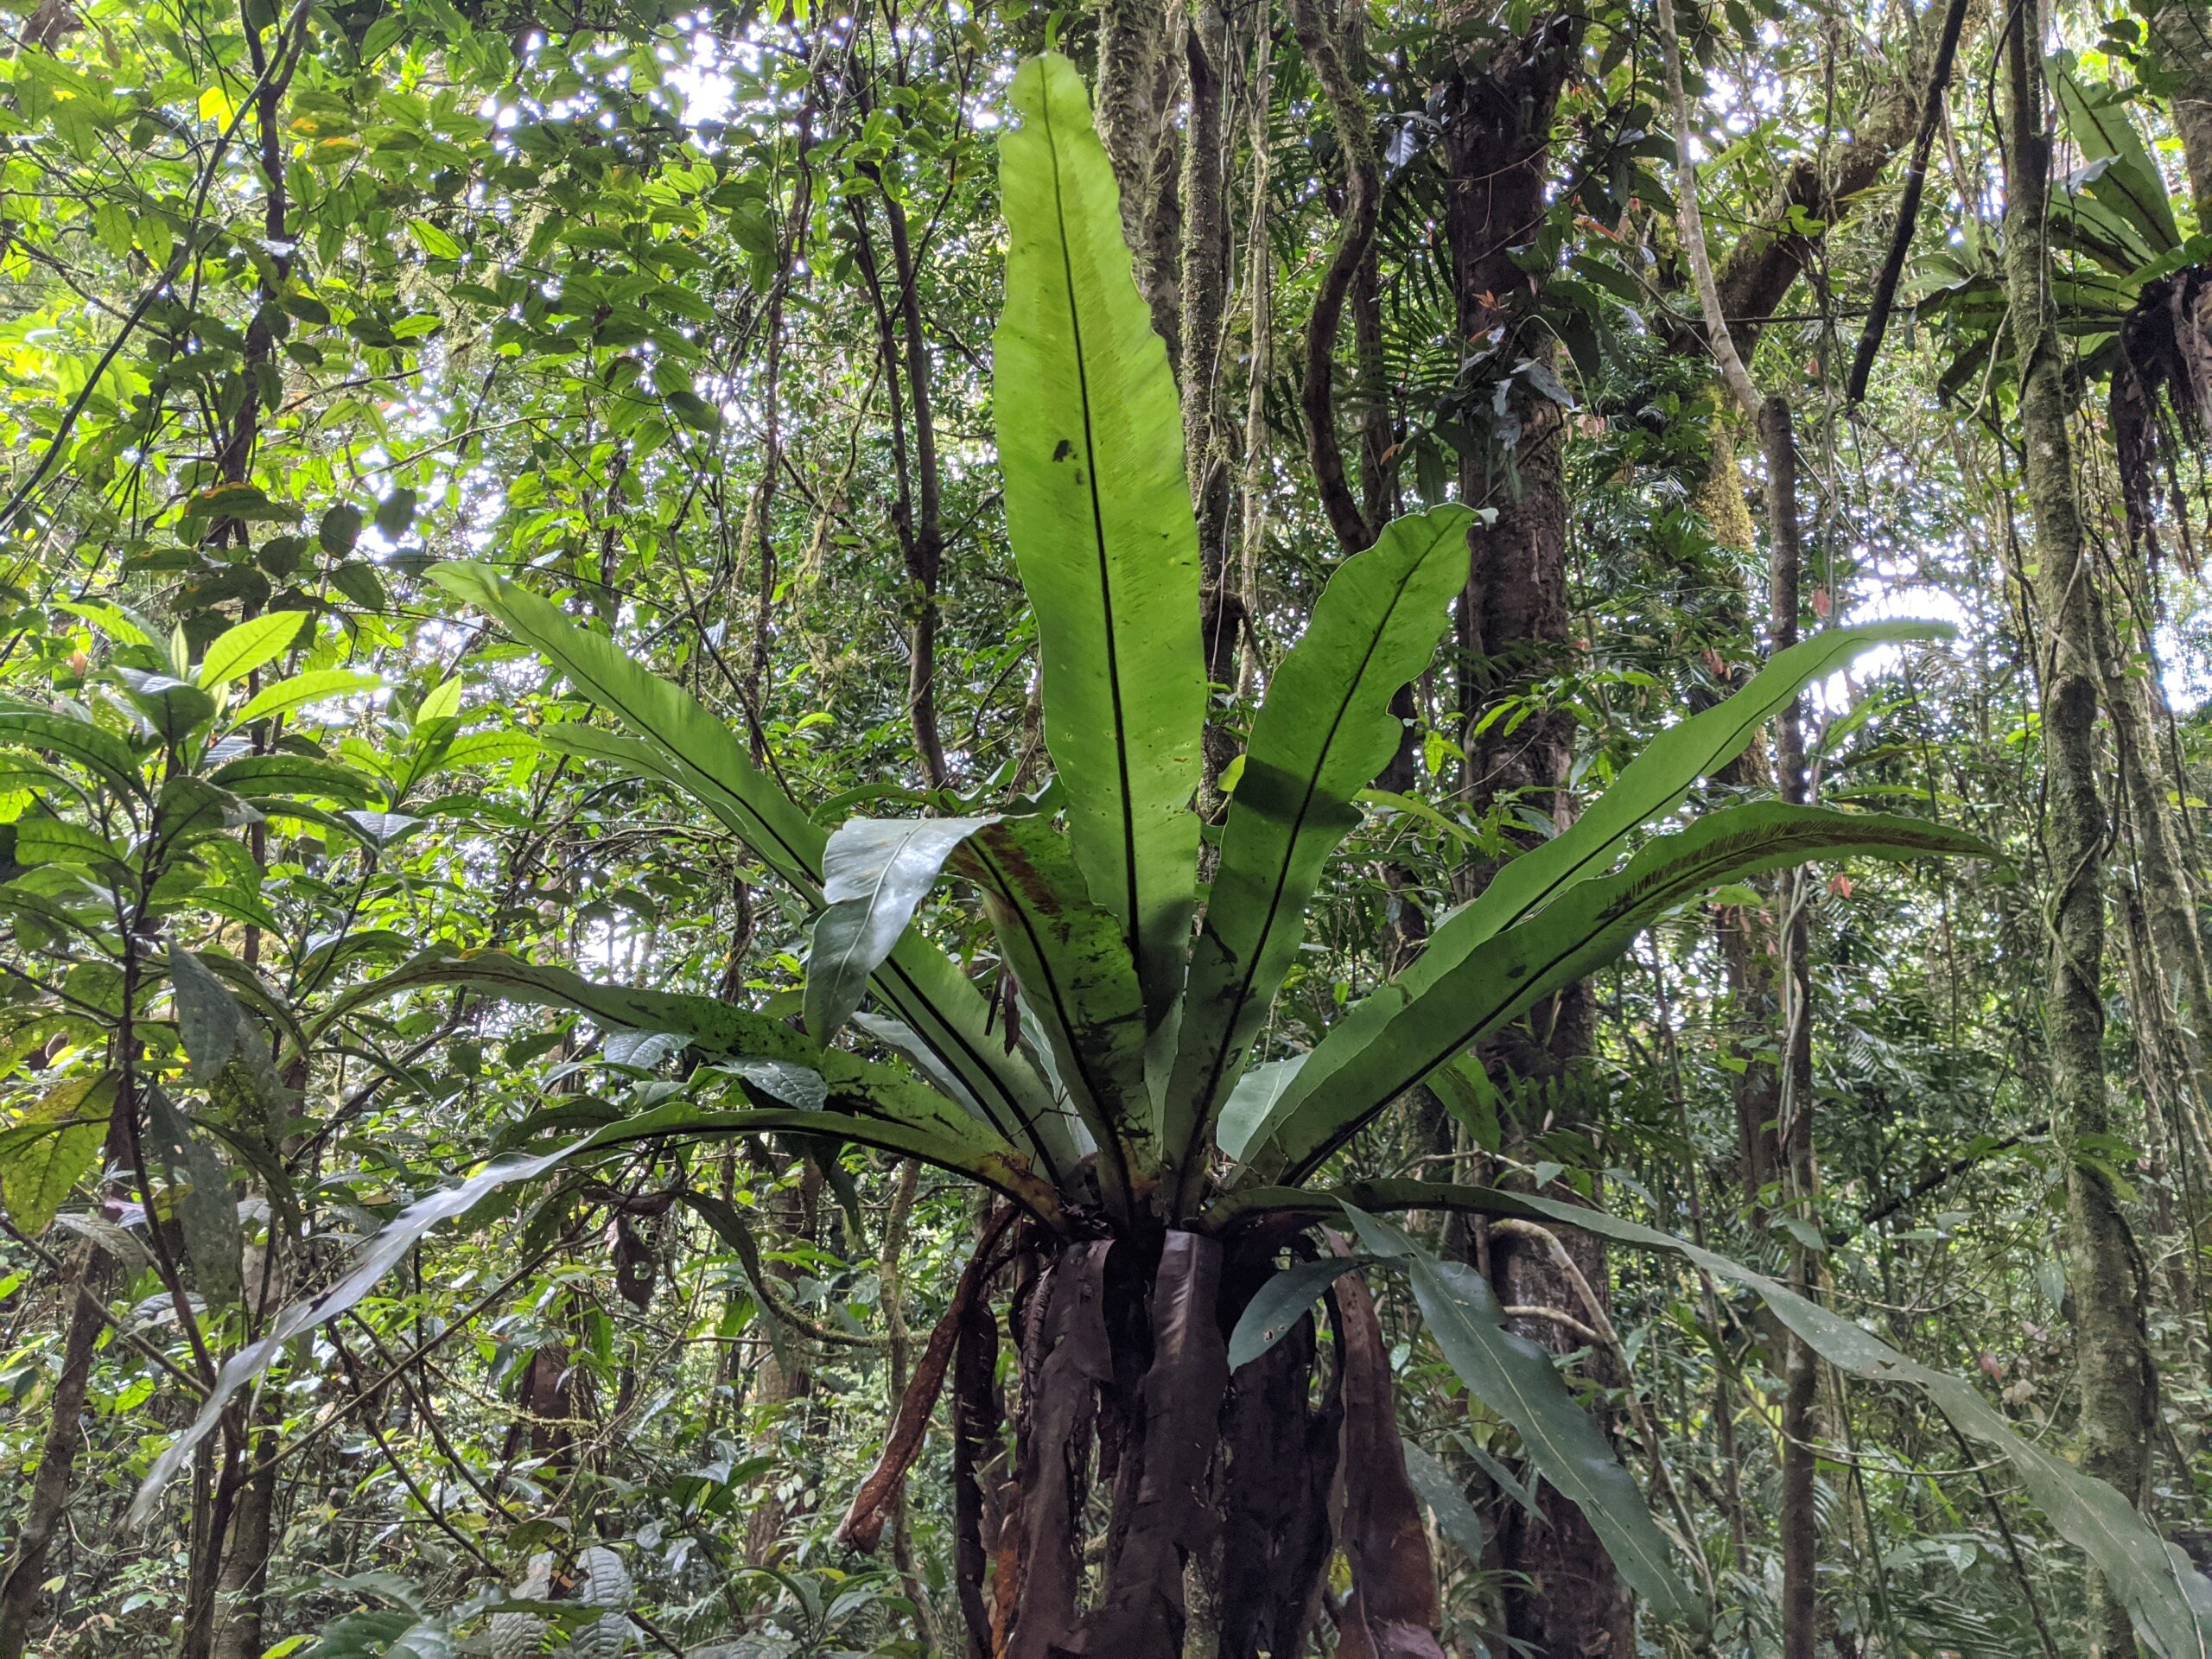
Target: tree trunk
{"points": [[2112, 1355], [242, 1589], [43, 1510], [2182, 30], [1139, 52], [1161, 1511], [1800, 1519], [1563, 1596], [784, 1379]]}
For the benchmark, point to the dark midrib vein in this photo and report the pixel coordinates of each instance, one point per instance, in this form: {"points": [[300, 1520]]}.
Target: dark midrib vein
{"points": [[916, 999], [1106, 1128], [1098, 538], [1655, 898], [1297, 829]]}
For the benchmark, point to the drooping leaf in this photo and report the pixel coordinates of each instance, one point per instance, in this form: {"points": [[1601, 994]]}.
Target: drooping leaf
{"points": [[688, 745], [2169, 1599], [172, 707], [99, 752], [1061, 1374], [1324, 733], [375, 1258], [971, 1150], [769, 1056], [1393, 1604], [1098, 510], [1279, 1304], [1397, 1035], [1441, 1495], [208, 1210], [1516, 1379], [875, 873]]}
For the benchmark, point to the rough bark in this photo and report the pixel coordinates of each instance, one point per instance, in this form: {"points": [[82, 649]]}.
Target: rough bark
{"points": [[1563, 1596], [1281, 1458], [2182, 30], [916, 514], [1794, 1128], [1205, 299], [784, 1379], [1259, 264], [48, 1503], [2113, 1362], [1139, 54], [1207, 427], [2177, 960]]}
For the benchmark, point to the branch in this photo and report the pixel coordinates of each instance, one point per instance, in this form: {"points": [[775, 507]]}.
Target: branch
{"points": [[1944, 1174], [1722, 343], [1354, 235], [1915, 180]]}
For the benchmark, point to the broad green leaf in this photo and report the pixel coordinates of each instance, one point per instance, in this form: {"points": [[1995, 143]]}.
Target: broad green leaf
{"points": [[1098, 508], [316, 685], [2098, 120], [1516, 1379], [222, 1042], [1077, 980], [1657, 781], [1252, 1101], [54, 1144], [98, 751], [208, 1210], [982, 1160], [919, 983], [633, 754], [875, 873], [1279, 1304], [1394, 1037], [432, 240], [1324, 733], [238, 652], [1455, 1517], [56, 840], [265, 777], [123, 625], [2169, 1599], [443, 702], [700, 749], [172, 706], [847, 1081]]}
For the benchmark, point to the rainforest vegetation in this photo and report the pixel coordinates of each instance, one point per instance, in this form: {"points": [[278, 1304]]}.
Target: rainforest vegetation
{"points": [[1153, 830]]}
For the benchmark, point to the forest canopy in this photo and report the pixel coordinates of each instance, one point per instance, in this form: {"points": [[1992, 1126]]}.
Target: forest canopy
{"points": [[1161, 830]]}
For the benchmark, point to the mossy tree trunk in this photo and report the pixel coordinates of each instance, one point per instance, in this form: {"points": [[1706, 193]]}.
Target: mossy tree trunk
{"points": [[2113, 1358]]}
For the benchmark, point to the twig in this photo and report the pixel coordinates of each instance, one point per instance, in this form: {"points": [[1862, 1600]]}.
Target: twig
{"points": [[1915, 180], [1692, 229]]}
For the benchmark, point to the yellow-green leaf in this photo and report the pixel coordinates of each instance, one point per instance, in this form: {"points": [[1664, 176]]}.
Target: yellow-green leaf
{"points": [[52, 1146]]}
